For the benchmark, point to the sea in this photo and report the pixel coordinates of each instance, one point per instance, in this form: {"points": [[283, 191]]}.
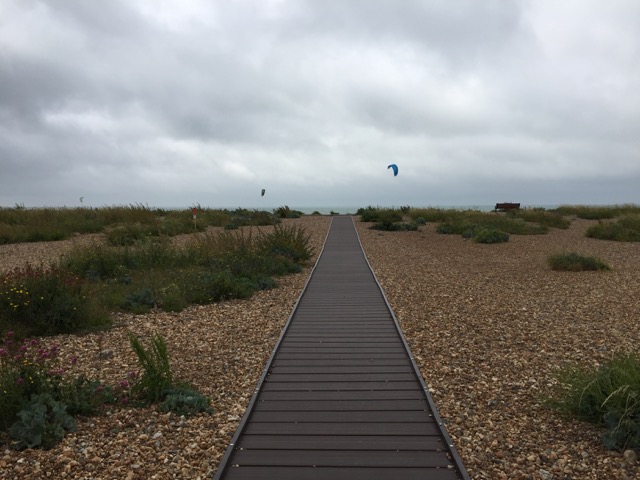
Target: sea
{"points": [[350, 209]]}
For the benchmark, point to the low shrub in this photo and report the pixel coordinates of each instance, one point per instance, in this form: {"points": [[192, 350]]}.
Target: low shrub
{"points": [[47, 301], [608, 396], [489, 236], [42, 423], [574, 262], [184, 401], [31, 369]]}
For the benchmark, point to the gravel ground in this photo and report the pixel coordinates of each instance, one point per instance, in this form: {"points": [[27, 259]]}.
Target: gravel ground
{"points": [[488, 325]]}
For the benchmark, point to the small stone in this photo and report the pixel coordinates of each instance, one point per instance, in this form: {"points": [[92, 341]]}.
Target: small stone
{"points": [[545, 475], [630, 457]]}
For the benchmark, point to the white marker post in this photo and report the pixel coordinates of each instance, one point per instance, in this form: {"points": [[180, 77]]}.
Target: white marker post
{"points": [[195, 219]]}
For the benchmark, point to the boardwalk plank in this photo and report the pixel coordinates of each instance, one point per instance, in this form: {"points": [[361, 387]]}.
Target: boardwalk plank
{"points": [[341, 397], [362, 473], [344, 442]]}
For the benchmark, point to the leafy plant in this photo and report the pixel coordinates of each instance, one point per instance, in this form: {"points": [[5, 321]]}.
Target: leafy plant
{"points": [[608, 396], [574, 262], [184, 401], [42, 423]]}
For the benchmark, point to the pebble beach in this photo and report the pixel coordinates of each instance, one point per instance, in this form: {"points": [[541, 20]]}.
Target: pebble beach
{"points": [[489, 325]]}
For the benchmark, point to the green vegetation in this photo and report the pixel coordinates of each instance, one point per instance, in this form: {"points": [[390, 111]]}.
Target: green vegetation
{"points": [[39, 395], [387, 219], [156, 383], [489, 236], [285, 212], [588, 212], [608, 396], [153, 272], [123, 225], [47, 301], [573, 262], [625, 229], [42, 423], [546, 218]]}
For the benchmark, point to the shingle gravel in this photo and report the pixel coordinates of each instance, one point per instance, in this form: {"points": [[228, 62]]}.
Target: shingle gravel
{"points": [[488, 325]]}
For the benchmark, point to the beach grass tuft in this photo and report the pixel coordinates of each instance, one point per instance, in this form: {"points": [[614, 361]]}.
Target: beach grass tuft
{"points": [[574, 262], [608, 396]]}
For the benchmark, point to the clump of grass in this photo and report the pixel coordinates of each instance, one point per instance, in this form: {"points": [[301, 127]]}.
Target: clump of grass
{"points": [[156, 383], [474, 221], [285, 212], [624, 229], [574, 262], [542, 217], [380, 215], [291, 242], [608, 396]]}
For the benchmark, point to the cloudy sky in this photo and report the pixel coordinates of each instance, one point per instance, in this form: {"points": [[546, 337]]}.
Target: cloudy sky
{"points": [[177, 103]]}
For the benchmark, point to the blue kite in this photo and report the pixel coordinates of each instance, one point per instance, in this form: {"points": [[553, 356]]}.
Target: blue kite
{"points": [[394, 167]]}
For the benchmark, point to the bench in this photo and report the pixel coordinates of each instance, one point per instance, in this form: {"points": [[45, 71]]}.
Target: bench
{"points": [[503, 207]]}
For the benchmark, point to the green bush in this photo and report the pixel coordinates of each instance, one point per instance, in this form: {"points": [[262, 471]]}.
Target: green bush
{"points": [[625, 229], [140, 301], [486, 235], [42, 423], [608, 396], [48, 301], [573, 262]]}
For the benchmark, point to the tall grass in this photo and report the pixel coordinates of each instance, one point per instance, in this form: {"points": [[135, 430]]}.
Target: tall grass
{"points": [[604, 212], [608, 396], [123, 224], [624, 229]]}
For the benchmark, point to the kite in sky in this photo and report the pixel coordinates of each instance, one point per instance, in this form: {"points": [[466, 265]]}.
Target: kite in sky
{"points": [[262, 194], [394, 167]]}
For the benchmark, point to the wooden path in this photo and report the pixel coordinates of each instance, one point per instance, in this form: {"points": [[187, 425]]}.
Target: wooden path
{"points": [[341, 397]]}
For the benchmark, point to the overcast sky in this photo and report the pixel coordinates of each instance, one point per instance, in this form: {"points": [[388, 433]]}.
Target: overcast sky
{"points": [[177, 103]]}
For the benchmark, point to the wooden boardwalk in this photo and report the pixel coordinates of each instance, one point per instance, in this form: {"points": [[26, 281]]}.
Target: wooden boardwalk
{"points": [[341, 397]]}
